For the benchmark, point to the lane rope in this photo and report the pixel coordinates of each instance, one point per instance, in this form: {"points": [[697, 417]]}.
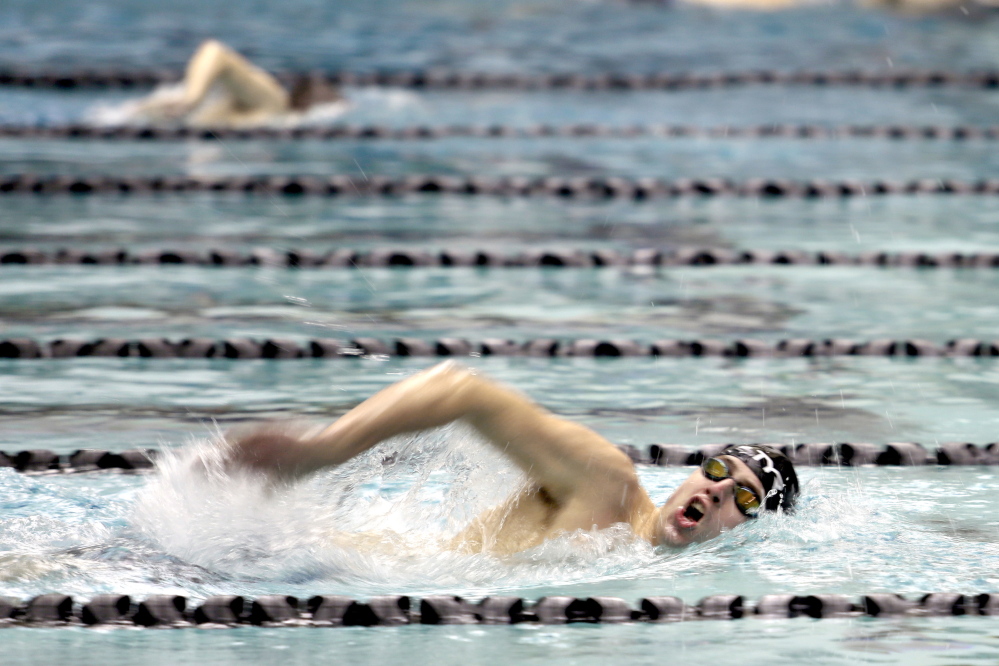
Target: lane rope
{"points": [[448, 258], [596, 187], [334, 348], [837, 454], [441, 79], [576, 131], [322, 610]]}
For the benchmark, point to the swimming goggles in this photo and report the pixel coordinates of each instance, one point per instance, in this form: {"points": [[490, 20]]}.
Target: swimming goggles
{"points": [[746, 499]]}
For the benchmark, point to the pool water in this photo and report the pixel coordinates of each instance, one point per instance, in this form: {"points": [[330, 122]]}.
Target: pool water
{"points": [[859, 531], [910, 641]]}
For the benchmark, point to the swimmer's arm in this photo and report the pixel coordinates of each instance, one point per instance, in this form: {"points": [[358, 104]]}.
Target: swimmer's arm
{"points": [[209, 62], [250, 85], [215, 62], [567, 459]]}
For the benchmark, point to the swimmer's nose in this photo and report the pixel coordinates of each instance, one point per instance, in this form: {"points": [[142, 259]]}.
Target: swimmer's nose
{"points": [[721, 489]]}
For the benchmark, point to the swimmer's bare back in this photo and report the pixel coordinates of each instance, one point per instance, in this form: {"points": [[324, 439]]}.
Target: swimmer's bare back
{"points": [[577, 479]]}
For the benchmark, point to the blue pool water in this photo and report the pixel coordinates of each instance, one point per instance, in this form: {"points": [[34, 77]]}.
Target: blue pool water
{"points": [[632, 158], [760, 642], [510, 35], [907, 530], [711, 107]]}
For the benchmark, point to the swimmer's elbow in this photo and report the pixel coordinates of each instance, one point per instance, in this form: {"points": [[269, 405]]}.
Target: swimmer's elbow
{"points": [[457, 382], [498, 412], [212, 46], [450, 368]]}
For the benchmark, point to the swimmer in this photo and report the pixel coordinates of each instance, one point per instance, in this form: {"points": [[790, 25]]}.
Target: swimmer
{"points": [[223, 89], [577, 480]]}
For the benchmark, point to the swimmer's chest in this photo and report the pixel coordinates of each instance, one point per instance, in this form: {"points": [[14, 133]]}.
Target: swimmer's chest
{"points": [[522, 522]]}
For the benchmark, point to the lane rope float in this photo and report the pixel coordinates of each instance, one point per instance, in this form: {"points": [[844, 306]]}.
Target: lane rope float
{"points": [[837, 454], [556, 258], [323, 610], [334, 348], [597, 187], [441, 79], [428, 132]]}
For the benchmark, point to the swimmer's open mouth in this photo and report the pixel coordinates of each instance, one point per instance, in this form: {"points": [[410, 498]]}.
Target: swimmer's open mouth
{"points": [[693, 513]]}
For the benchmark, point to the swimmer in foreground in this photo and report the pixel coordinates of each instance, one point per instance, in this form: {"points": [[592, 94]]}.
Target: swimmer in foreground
{"points": [[577, 479], [222, 88]]}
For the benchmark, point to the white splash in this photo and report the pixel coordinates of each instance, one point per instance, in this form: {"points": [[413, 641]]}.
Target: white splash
{"points": [[381, 522], [130, 111]]}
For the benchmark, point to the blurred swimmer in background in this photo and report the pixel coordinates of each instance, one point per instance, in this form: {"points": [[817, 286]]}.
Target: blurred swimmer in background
{"points": [[577, 480], [221, 88]]}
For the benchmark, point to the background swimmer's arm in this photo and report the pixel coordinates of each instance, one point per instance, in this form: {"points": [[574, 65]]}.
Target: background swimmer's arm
{"points": [[250, 86], [214, 62], [568, 460]]}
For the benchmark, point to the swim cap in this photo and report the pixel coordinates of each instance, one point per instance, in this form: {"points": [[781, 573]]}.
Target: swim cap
{"points": [[774, 470]]}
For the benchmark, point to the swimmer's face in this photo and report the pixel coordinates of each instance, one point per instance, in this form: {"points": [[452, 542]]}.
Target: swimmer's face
{"points": [[701, 509]]}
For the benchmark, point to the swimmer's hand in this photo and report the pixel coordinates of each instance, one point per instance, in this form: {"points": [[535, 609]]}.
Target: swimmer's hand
{"points": [[281, 450]]}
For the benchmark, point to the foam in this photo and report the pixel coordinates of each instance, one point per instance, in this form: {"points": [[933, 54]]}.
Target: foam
{"points": [[129, 111], [379, 523]]}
